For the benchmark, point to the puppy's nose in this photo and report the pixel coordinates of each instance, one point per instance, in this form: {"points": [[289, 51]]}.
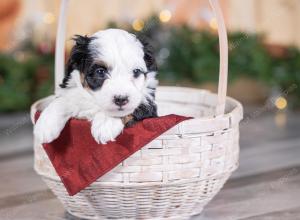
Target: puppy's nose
{"points": [[121, 100]]}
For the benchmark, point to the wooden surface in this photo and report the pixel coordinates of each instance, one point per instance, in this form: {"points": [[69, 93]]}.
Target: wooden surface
{"points": [[266, 186]]}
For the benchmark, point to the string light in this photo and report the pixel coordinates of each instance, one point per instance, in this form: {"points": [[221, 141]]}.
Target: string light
{"points": [[281, 103], [213, 24], [165, 16], [138, 24], [49, 18]]}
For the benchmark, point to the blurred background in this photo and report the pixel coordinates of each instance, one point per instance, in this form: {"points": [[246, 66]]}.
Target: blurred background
{"points": [[264, 74], [264, 41]]}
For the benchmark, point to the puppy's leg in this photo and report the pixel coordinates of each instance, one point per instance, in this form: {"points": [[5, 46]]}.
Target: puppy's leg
{"points": [[105, 128], [148, 110], [52, 121]]}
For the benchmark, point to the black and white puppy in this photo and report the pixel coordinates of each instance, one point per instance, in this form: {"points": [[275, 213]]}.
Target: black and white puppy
{"points": [[109, 75]]}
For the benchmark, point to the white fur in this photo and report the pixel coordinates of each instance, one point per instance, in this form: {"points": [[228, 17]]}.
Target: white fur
{"points": [[105, 128], [123, 53]]}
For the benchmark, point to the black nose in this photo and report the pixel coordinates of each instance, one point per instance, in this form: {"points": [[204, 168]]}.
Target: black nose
{"points": [[121, 100]]}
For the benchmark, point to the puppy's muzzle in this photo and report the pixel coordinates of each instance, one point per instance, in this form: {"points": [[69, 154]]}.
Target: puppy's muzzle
{"points": [[121, 100]]}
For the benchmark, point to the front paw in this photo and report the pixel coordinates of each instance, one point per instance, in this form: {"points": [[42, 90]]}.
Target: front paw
{"points": [[106, 129], [130, 123], [47, 128]]}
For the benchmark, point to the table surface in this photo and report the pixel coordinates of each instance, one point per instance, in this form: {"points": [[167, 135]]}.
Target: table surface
{"points": [[266, 185]]}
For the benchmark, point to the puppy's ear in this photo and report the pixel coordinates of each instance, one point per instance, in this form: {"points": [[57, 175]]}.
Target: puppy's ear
{"points": [[148, 54], [79, 57]]}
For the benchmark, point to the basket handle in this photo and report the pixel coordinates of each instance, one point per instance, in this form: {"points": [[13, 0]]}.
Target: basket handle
{"points": [[223, 42]]}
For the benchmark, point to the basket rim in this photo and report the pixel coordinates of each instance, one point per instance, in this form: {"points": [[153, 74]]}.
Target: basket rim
{"points": [[188, 127]]}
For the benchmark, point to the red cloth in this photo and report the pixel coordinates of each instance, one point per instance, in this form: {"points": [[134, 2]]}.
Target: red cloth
{"points": [[79, 160]]}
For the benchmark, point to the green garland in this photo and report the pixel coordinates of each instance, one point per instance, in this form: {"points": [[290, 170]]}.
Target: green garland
{"points": [[24, 81], [183, 53], [194, 57]]}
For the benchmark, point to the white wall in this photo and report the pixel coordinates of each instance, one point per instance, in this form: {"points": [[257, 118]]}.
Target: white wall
{"points": [[279, 19]]}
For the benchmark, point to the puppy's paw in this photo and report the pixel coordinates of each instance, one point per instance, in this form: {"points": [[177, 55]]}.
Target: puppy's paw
{"points": [[48, 128], [106, 129]]}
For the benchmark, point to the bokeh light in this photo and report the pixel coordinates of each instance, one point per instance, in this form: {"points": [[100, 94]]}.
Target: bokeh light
{"points": [[49, 18], [280, 119], [138, 24], [165, 15], [213, 24], [281, 103]]}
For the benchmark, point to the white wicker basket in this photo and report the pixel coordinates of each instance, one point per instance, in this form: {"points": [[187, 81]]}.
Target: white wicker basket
{"points": [[178, 173]]}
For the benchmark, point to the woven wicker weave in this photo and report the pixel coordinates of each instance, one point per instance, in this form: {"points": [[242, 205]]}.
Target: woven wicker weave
{"points": [[175, 175]]}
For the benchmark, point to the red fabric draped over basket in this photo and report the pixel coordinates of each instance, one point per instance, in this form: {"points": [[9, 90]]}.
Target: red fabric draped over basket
{"points": [[79, 160]]}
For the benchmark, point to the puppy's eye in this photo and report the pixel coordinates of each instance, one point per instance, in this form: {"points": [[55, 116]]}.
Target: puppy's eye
{"points": [[137, 72], [101, 71]]}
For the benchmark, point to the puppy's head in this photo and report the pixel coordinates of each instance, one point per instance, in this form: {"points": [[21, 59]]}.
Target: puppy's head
{"points": [[116, 68]]}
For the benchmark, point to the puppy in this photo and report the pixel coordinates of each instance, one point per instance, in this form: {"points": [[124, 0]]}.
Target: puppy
{"points": [[109, 76]]}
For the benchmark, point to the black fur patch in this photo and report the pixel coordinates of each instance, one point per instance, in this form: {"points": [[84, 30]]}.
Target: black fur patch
{"points": [[80, 58], [95, 79], [149, 57], [143, 111]]}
